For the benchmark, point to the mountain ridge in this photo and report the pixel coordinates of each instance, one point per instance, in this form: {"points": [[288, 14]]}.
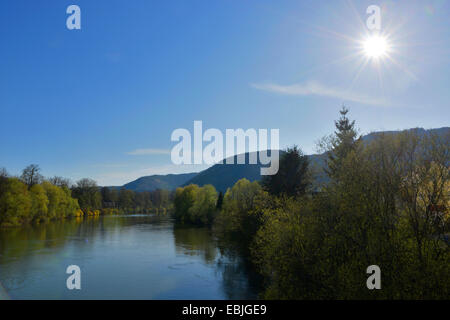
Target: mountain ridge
{"points": [[158, 181], [224, 176]]}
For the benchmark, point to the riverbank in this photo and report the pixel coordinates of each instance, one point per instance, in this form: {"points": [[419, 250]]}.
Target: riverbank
{"points": [[89, 214]]}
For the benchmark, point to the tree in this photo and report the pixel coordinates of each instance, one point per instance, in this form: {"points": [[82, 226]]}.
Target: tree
{"points": [[39, 202], [292, 178], [425, 186], [342, 143], [143, 200], [160, 198], [126, 199], [106, 198], [60, 181], [240, 215], [3, 173], [204, 207], [88, 194], [60, 204], [219, 201], [184, 200], [31, 176], [15, 203], [3, 180], [114, 197], [196, 205]]}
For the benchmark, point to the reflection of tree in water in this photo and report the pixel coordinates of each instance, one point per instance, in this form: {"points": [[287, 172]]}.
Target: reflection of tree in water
{"points": [[20, 242], [240, 281], [194, 241]]}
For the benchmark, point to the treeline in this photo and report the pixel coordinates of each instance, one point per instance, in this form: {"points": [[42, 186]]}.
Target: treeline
{"points": [[111, 199], [26, 200], [385, 203], [31, 198]]}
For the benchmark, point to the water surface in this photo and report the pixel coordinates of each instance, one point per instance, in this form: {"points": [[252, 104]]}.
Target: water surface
{"points": [[120, 257]]}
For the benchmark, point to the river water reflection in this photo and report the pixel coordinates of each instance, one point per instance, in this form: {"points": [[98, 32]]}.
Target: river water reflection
{"points": [[120, 257]]}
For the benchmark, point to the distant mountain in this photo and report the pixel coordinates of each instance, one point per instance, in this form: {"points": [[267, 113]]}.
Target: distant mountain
{"points": [[223, 176], [420, 131], [167, 182]]}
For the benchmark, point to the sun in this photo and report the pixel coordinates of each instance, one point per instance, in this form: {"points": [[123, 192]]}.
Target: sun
{"points": [[376, 47]]}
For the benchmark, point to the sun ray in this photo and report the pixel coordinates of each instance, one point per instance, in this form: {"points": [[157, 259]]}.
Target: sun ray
{"points": [[362, 66], [360, 20], [380, 76], [403, 68], [331, 63], [324, 31]]}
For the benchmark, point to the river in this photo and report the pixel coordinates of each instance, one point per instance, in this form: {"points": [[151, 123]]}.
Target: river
{"points": [[120, 257]]}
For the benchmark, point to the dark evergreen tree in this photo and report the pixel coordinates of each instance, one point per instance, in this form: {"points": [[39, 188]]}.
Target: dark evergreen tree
{"points": [[344, 141], [219, 201], [292, 178]]}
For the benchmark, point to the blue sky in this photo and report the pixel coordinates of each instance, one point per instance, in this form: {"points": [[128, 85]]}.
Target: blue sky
{"points": [[81, 102]]}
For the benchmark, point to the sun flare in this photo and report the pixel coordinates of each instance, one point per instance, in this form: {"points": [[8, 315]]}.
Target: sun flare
{"points": [[376, 47]]}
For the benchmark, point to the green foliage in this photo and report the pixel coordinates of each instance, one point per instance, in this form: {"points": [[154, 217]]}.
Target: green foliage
{"points": [[342, 143], [239, 216], [204, 207], [184, 200], [88, 194], [19, 205], [143, 200], [61, 204], [126, 199], [39, 202], [33, 199], [129, 201], [195, 205], [386, 204], [380, 208], [285, 250], [15, 203], [160, 198]]}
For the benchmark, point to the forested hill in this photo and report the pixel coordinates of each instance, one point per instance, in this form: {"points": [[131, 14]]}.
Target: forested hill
{"points": [[420, 131], [165, 182], [224, 176]]}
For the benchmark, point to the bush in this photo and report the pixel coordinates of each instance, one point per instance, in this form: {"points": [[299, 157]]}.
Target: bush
{"points": [[239, 215], [15, 203], [195, 205]]}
